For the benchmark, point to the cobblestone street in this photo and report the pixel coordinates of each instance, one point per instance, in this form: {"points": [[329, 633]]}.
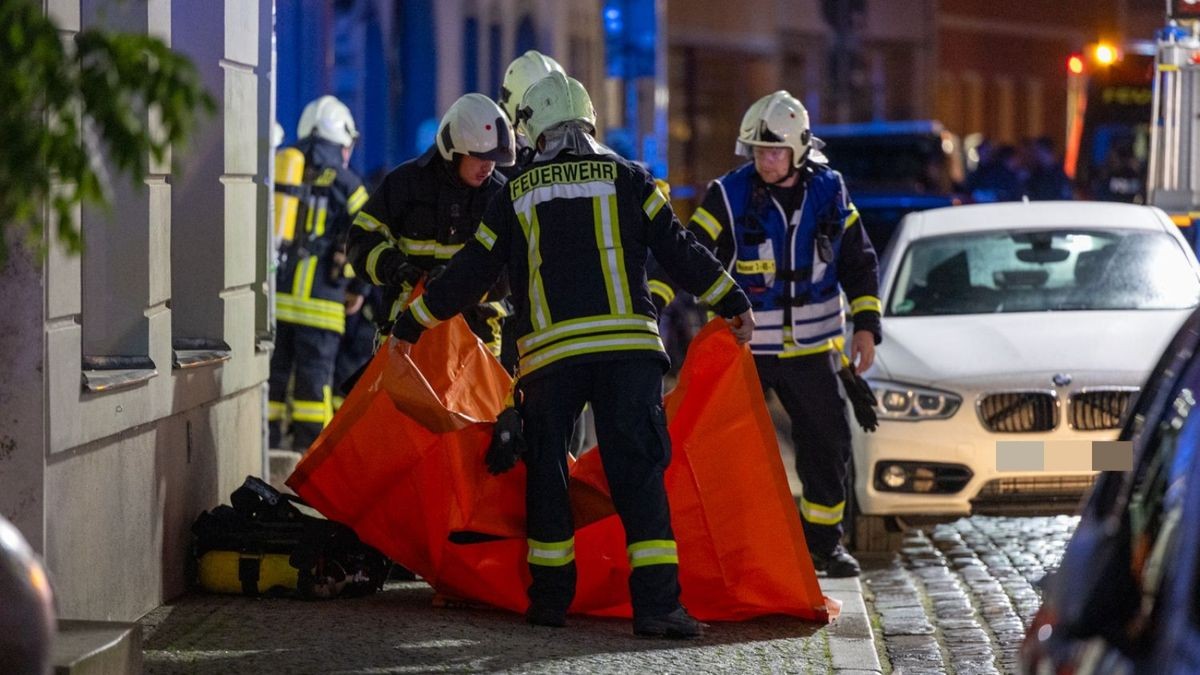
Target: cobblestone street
{"points": [[956, 597]]}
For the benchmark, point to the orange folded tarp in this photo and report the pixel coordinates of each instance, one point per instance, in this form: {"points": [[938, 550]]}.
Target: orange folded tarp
{"points": [[426, 500]]}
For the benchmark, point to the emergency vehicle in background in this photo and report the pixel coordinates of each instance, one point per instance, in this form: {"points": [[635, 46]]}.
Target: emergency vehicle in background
{"points": [[1132, 123], [1108, 120]]}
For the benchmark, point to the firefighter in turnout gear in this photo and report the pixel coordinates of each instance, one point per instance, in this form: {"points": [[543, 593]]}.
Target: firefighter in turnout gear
{"points": [[311, 299], [573, 231], [427, 208], [784, 225]]}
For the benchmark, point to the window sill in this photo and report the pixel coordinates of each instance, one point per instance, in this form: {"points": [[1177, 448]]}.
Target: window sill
{"points": [[191, 353], [110, 373]]}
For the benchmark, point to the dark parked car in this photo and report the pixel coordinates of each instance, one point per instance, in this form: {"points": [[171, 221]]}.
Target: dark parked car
{"points": [[894, 168], [1126, 598]]}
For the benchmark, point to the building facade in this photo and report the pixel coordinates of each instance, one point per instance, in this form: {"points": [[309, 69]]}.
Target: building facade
{"points": [[399, 64], [847, 61], [134, 373]]}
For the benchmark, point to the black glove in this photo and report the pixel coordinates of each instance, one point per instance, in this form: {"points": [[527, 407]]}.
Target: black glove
{"points": [[435, 272], [404, 273], [407, 328], [862, 399], [508, 442]]}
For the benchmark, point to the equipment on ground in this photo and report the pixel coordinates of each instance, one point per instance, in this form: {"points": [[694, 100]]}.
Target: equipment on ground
{"points": [[265, 545]]}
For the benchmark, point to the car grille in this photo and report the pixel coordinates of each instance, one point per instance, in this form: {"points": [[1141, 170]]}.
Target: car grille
{"points": [[1032, 495], [1018, 411], [1099, 409]]}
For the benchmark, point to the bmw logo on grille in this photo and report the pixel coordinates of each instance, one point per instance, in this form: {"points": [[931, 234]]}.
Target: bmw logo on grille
{"points": [[1061, 379]]}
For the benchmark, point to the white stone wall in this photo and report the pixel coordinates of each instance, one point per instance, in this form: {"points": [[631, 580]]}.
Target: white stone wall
{"points": [[105, 485]]}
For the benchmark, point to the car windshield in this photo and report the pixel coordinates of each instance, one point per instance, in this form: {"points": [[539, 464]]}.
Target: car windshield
{"points": [[1043, 270]]}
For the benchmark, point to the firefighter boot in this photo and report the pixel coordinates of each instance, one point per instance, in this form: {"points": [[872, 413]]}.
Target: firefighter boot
{"points": [[678, 625], [837, 563], [540, 615]]}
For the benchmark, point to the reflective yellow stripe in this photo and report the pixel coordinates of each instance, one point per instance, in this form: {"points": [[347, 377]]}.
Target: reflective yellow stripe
{"points": [[356, 200], [706, 220], [821, 515], [865, 303], [314, 312], [540, 314], [328, 393], [720, 287], [322, 213], [368, 222], [276, 411], [301, 273], [551, 553], [589, 324], [612, 254], [653, 552], [309, 411], [310, 275], [485, 236], [308, 218], [327, 177], [591, 344], [446, 251], [755, 266], [418, 246], [662, 290], [422, 314], [790, 348], [373, 260], [852, 218], [654, 203]]}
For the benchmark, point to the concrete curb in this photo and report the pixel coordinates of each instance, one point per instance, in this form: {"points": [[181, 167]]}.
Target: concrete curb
{"points": [[851, 639]]}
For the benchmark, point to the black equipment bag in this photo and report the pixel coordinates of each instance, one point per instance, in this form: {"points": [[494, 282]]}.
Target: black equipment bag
{"points": [[264, 545]]}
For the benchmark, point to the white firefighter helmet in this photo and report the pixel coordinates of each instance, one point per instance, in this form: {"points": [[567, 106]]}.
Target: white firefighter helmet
{"points": [[474, 125], [330, 119], [520, 75], [776, 120], [552, 100]]}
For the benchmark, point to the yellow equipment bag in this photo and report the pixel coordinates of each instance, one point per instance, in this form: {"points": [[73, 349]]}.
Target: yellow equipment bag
{"points": [[289, 185], [248, 573]]}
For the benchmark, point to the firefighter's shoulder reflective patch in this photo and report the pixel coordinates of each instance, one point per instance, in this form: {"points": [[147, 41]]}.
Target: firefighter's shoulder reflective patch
{"points": [[326, 178]]}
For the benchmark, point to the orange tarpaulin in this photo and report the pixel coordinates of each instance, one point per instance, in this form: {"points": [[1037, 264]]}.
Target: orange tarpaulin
{"points": [[426, 500]]}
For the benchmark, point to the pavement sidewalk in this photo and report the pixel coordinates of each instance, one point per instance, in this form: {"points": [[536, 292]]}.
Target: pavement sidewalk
{"points": [[399, 631]]}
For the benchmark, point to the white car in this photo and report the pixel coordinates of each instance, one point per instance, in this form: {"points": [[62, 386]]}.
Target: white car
{"points": [[1033, 321]]}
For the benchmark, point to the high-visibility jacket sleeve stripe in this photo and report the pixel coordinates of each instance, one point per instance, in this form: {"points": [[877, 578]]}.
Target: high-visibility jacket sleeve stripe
{"points": [[720, 287], [356, 200], [422, 314], [663, 290], [368, 222], [822, 515], [866, 303], [485, 236], [654, 203], [276, 410], [373, 261], [708, 222], [852, 218]]}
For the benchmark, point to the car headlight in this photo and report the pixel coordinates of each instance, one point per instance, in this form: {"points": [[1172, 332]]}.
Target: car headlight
{"points": [[899, 401]]}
